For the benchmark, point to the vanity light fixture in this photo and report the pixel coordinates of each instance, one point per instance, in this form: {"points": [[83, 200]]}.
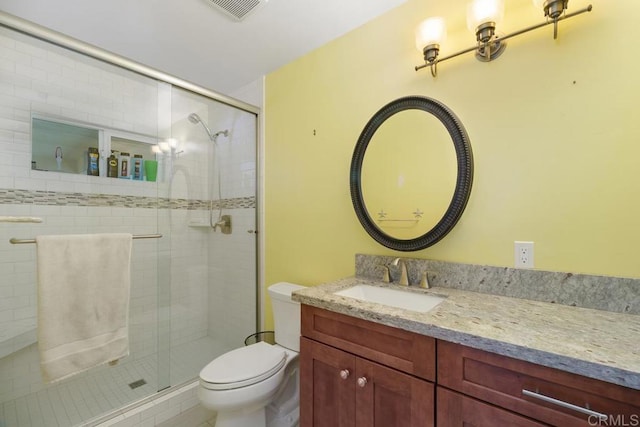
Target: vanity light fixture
{"points": [[169, 145], [483, 17], [164, 146], [173, 143]]}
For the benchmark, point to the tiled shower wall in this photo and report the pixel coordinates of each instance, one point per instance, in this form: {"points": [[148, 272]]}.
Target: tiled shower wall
{"points": [[226, 261], [42, 78], [38, 78]]}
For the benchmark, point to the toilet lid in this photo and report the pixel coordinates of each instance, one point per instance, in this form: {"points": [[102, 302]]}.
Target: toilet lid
{"points": [[243, 366]]}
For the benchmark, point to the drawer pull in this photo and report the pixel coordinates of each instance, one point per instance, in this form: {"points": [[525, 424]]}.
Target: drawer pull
{"points": [[564, 404], [362, 381], [344, 374]]}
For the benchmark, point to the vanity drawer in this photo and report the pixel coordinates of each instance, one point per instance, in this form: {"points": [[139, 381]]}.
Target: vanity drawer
{"points": [[457, 410], [405, 351], [549, 395]]}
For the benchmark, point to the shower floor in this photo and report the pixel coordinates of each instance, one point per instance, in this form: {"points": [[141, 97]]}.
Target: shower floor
{"points": [[74, 401]]}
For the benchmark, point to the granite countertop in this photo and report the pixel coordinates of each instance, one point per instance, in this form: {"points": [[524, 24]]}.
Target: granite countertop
{"points": [[594, 343]]}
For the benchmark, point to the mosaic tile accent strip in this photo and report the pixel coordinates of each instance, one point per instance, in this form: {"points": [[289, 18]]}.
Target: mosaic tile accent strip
{"points": [[55, 198], [236, 203]]}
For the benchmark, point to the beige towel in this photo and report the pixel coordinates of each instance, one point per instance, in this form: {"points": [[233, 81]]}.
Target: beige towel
{"points": [[83, 301]]}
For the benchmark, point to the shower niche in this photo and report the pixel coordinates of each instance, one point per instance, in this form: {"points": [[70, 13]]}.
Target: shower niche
{"points": [[66, 146]]}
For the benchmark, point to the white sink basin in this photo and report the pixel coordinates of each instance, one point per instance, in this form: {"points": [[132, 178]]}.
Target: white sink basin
{"points": [[400, 299]]}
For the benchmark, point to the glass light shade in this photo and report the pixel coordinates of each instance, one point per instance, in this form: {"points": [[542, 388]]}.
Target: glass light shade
{"points": [[156, 149], [481, 11], [430, 31], [173, 143], [164, 146]]}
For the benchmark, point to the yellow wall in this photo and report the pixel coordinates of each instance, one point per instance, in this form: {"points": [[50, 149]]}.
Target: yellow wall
{"points": [[553, 126]]}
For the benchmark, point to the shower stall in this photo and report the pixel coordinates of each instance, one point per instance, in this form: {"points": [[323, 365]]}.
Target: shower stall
{"points": [[194, 292]]}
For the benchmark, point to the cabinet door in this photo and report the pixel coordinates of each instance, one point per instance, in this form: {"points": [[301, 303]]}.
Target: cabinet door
{"points": [[389, 398], [327, 386], [457, 410]]}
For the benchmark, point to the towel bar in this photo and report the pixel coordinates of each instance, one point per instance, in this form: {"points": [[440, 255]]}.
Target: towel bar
{"points": [[20, 219], [15, 241]]}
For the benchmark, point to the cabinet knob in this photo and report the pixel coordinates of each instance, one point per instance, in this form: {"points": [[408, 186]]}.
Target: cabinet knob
{"points": [[344, 374], [362, 381]]}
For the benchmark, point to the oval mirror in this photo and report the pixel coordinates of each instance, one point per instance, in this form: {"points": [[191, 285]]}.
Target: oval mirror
{"points": [[411, 173]]}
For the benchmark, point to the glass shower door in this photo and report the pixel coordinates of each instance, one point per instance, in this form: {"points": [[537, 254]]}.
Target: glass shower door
{"points": [[214, 269]]}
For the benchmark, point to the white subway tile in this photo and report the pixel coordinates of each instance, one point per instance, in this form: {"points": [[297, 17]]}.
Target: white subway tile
{"points": [[29, 49]]}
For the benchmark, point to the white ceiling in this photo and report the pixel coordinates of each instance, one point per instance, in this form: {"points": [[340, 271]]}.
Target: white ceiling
{"points": [[192, 40]]}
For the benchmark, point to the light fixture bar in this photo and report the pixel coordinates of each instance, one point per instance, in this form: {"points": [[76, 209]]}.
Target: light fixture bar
{"points": [[438, 60], [508, 36], [551, 21]]}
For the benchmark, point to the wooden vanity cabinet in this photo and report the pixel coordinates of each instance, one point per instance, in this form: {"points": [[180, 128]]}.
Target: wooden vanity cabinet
{"points": [[356, 373], [544, 394]]}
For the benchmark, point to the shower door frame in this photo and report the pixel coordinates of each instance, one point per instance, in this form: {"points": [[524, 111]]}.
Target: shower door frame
{"points": [[39, 32]]}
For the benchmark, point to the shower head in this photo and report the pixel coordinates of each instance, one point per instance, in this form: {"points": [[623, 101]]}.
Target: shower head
{"points": [[195, 119]]}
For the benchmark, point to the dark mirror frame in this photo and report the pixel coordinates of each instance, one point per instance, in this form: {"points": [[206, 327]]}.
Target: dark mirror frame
{"points": [[464, 178]]}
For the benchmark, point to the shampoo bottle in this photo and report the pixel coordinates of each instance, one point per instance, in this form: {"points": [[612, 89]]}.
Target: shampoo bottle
{"points": [[94, 157], [124, 165], [137, 167], [112, 163]]}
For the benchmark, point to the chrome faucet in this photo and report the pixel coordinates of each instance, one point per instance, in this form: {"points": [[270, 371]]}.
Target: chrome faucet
{"points": [[404, 277]]}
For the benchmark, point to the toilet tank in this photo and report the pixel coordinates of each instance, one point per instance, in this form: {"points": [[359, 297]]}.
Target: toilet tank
{"points": [[286, 315]]}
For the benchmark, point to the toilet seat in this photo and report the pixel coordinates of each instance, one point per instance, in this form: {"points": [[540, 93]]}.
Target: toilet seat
{"points": [[243, 367]]}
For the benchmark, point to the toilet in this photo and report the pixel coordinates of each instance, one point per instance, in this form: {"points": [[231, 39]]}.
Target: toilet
{"points": [[258, 385]]}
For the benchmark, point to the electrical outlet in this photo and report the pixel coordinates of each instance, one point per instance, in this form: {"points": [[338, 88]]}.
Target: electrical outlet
{"points": [[523, 254]]}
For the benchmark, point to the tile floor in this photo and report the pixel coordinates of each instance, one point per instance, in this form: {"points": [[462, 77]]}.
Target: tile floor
{"points": [[192, 418], [74, 401]]}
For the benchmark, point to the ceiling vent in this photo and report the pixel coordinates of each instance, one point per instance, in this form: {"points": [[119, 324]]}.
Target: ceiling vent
{"points": [[237, 9]]}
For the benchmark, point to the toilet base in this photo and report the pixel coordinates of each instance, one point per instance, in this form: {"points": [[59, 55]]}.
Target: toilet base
{"points": [[255, 418]]}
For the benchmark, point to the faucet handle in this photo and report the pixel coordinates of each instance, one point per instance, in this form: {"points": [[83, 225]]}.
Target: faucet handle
{"points": [[386, 277], [424, 283]]}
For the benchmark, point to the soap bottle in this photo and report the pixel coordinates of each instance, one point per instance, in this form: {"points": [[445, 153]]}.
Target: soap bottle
{"points": [[112, 163], [94, 156], [137, 167], [123, 165]]}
